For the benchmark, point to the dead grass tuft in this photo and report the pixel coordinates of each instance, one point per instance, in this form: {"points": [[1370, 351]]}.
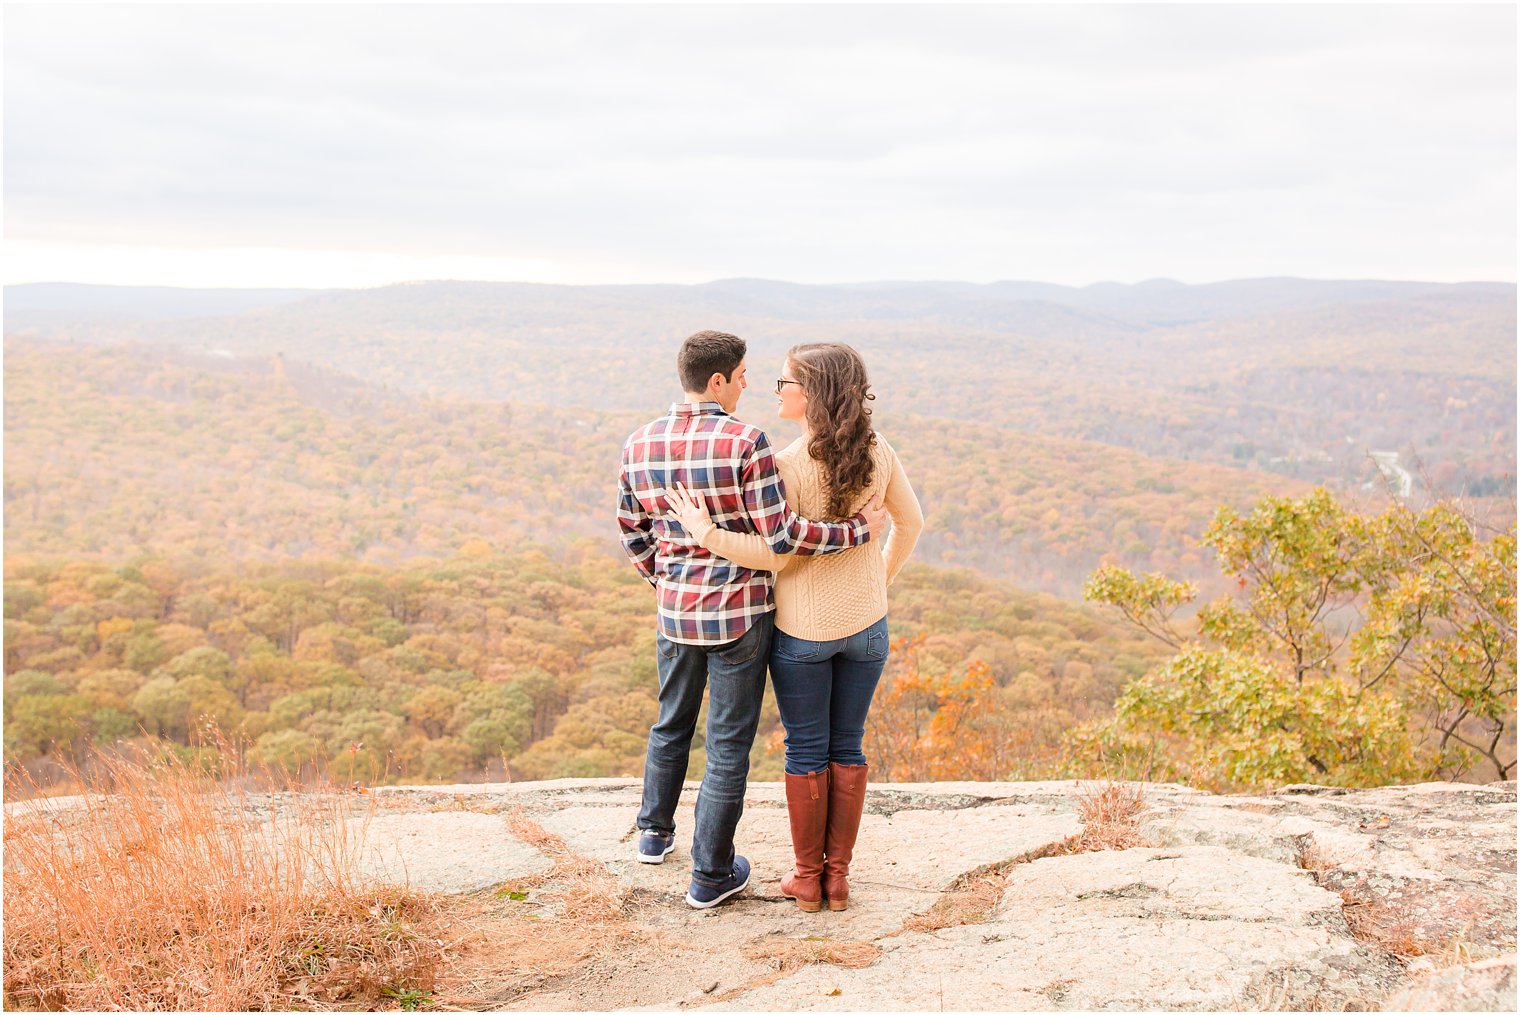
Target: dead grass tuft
{"points": [[1312, 857], [791, 954], [1110, 815], [1390, 927], [584, 886], [163, 888], [1457, 950], [533, 929], [1394, 926], [972, 902], [1320, 861], [1397, 929]]}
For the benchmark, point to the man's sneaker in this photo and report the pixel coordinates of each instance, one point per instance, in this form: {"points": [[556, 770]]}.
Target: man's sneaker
{"points": [[702, 897], [654, 846]]}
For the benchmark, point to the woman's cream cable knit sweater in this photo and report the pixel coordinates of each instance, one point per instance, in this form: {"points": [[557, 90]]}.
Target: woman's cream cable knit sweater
{"points": [[823, 598]]}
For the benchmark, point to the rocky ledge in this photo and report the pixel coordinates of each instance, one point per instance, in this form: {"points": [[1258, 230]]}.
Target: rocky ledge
{"points": [[969, 896]]}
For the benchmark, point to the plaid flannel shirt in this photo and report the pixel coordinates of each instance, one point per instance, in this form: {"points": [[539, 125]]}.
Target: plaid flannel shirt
{"points": [[706, 599]]}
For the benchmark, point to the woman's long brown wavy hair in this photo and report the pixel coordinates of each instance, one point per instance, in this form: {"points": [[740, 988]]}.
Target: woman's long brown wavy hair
{"points": [[834, 377]]}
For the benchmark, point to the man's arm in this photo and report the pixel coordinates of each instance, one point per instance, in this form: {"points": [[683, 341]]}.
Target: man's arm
{"points": [[634, 524], [784, 530]]}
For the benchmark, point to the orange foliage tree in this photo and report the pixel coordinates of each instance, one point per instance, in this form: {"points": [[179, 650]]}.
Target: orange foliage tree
{"points": [[926, 727]]}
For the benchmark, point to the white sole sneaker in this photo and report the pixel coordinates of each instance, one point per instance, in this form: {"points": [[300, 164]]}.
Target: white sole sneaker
{"points": [[656, 859], [694, 904]]}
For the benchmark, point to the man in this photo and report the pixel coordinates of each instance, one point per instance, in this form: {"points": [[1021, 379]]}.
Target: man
{"points": [[715, 617]]}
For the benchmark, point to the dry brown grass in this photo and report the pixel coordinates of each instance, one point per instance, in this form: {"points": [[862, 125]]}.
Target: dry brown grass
{"points": [[163, 889], [584, 886], [535, 928], [1110, 814], [791, 954], [972, 902], [788, 955], [1388, 926], [534, 931], [1399, 930], [1313, 857], [1394, 926]]}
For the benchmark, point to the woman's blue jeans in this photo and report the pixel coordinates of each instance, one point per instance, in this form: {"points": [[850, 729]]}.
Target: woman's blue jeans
{"points": [[824, 689]]}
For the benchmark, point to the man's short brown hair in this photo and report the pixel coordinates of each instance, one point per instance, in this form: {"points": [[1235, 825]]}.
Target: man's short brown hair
{"points": [[707, 353]]}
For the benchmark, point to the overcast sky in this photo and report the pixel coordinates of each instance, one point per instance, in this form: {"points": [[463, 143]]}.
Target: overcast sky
{"points": [[357, 145]]}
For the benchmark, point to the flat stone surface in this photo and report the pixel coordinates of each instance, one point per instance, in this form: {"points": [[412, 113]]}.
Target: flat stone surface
{"points": [[1476, 986], [1191, 929], [912, 845], [1239, 902], [442, 852], [1443, 854]]}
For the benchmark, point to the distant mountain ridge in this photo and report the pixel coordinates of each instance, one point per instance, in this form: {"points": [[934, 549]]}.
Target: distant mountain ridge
{"points": [[64, 302], [1150, 303], [1293, 376]]}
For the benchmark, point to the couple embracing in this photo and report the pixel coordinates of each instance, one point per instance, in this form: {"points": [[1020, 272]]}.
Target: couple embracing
{"points": [[765, 560]]}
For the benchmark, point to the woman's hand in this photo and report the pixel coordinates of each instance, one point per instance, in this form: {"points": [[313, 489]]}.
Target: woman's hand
{"points": [[690, 511]]}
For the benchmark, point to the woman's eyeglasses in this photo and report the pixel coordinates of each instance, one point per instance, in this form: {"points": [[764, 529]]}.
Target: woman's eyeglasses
{"points": [[782, 382]]}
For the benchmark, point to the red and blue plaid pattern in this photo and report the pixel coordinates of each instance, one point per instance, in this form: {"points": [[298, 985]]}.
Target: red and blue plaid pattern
{"points": [[705, 599]]}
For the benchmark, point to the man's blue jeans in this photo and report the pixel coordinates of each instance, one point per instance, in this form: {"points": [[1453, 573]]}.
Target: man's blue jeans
{"points": [[735, 676], [823, 691]]}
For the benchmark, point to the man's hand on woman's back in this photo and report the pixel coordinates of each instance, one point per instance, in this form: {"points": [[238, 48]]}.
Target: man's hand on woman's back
{"points": [[876, 517]]}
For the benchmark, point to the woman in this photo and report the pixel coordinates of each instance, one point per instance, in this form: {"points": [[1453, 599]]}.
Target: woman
{"points": [[831, 627]]}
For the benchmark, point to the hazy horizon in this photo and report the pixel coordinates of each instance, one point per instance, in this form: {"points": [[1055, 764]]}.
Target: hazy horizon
{"points": [[1152, 280]]}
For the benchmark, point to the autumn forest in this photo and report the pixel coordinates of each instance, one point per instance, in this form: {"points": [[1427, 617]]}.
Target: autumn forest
{"points": [[369, 534]]}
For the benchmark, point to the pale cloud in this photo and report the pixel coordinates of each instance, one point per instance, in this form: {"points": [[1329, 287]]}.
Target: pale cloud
{"points": [[339, 145]]}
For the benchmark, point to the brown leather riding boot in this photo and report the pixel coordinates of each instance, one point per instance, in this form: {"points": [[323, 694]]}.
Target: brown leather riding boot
{"points": [[847, 799], [807, 807]]}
